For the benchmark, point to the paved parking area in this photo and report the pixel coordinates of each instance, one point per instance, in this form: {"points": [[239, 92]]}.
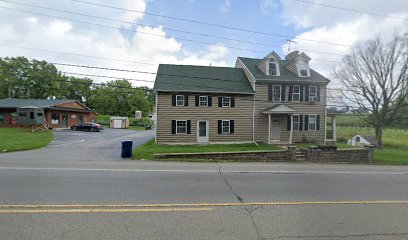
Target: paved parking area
{"points": [[83, 146]]}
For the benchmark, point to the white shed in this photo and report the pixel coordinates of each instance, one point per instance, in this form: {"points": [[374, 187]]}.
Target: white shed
{"points": [[119, 122], [359, 140]]}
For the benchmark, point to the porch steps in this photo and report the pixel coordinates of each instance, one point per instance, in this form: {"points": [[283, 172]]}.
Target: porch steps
{"points": [[300, 155]]}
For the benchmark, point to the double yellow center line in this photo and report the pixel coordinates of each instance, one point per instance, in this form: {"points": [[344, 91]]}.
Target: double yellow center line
{"points": [[165, 207]]}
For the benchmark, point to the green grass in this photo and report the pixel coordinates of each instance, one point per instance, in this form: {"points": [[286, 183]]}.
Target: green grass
{"points": [[136, 128], [147, 150], [350, 120], [391, 156], [18, 139]]}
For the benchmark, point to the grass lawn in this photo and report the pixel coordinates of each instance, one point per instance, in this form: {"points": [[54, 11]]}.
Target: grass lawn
{"points": [[306, 145], [391, 156], [17, 139], [147, 150], [136, 128]]}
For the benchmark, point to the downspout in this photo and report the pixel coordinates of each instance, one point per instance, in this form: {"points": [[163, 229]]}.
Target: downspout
{"points": [[325, 115], [253, 117], [155, 117]]}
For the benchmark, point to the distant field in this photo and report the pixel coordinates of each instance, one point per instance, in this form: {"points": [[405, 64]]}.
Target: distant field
{"points": [[350, 120]]}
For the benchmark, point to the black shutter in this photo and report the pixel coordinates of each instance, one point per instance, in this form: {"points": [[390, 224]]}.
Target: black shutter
{"points": [[219, 126], [270, 92], [232, 101], [283, 93], [197, 101], [173, 126], [290, 93], [300, 122], [306, 122], [188, 126], [185, 100], [307, 93], [288, 123], [219, 101], [318, 93], [318, 122], [173, 100], [301, 93], [232, 126], [209, 101]]}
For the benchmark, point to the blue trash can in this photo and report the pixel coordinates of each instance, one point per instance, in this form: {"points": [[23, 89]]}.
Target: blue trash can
{"points": [[126, 149]]}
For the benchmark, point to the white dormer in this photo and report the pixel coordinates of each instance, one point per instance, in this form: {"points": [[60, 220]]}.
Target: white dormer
{"points": [[302, 67], [272, 67]]}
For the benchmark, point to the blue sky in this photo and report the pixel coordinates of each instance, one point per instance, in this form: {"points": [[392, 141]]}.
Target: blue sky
{"points": [[22, 27]]}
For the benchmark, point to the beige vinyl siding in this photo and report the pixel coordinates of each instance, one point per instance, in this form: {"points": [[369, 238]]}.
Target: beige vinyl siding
{"points": [[302, 108], [241, 114]]}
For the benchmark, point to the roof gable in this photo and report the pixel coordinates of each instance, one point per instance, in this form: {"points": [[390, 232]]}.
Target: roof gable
{"points": [[34, 103]]}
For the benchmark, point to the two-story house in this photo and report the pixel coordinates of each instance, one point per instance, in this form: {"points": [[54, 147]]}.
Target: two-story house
{"points": [[268, 100]]}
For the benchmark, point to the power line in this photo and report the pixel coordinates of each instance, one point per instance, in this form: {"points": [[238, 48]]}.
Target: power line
{"points": [[352, 10], [164, 28], [207, 23], [74, 54]]}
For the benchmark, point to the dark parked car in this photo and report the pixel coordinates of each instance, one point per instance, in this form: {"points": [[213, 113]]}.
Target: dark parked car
{"points": [[87, 126]]}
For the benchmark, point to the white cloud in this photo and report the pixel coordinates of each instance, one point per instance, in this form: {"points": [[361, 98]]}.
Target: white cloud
{"points": [[225, 6], [40, 32], [337, 26], [267, 6]]}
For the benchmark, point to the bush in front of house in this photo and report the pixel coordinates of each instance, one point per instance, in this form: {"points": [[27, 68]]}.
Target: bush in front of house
{"points": [[143, 122]]}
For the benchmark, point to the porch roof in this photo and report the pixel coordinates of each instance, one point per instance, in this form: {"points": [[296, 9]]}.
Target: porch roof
{"points": [[279, 109]]}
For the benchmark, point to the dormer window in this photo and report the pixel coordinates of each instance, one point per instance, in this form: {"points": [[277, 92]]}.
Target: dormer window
{"points": [[303, 73], [272, 67]]}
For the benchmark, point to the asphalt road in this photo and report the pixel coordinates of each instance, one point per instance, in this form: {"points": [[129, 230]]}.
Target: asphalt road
{"points": [[72, 146], [77, 189]]}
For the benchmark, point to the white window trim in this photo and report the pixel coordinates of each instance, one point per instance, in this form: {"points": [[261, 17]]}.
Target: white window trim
{"points": [[307, 73], [184, 101], [298, 122], [293, 93], [177, 126], [277, 67], [315, 123], [273, 93], [315, 96], [222, 101], [206, 101], [229, 126]]}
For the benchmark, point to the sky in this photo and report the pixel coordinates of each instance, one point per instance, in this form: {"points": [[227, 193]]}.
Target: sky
{"points": [[138, 35]]}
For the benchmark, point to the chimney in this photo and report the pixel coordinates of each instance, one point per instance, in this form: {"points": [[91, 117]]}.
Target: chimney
{"points": [[292, 55]]}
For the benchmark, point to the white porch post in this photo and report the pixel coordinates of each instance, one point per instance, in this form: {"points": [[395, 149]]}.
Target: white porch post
{"points": [[269, 128], [291, 128], [334, 127]]}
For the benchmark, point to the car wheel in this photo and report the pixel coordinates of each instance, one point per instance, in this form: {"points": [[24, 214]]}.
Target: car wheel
{"points": [[74, 128], [92, 129]]}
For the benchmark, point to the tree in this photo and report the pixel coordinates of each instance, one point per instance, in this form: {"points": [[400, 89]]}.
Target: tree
{"points": [[374, 78]]}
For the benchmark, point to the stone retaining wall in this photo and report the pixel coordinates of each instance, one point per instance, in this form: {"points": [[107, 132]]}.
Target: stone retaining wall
{"points": [[272, 156], [352, 155]]}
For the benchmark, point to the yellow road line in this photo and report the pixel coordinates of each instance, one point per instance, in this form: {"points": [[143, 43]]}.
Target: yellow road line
{"points": [[98, 210], [200, 204]]}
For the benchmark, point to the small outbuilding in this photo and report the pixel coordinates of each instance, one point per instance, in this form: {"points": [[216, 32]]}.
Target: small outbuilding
{"points": [[119, 122], [359, 140]]}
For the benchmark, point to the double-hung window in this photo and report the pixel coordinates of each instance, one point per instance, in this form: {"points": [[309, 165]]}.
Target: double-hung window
{"points": [[226, 102], [313, 93], [55, 119], [181, 126], [203, 101], [312, 122], [295, 122], [303, 73], [296, 93], [276, 93], [226, 127], [180, 100], [272, 67]]}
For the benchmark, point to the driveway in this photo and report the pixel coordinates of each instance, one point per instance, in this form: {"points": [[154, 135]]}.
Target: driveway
{"points": [[82, 146]]}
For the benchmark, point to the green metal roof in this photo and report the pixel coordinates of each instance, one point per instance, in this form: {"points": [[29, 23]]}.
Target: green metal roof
{"points": [[36, 103], [188, 78], [285, 74]]}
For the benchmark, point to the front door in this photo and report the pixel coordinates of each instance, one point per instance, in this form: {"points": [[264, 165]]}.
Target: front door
{"points": [[275, 129], [202, 131], [64, 121]]}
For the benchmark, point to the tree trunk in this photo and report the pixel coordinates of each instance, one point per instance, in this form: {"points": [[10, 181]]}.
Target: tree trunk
{"points": [[378, 136]]}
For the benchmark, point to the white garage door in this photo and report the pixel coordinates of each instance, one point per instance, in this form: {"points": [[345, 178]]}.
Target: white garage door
{"points": [[117, 123]]}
